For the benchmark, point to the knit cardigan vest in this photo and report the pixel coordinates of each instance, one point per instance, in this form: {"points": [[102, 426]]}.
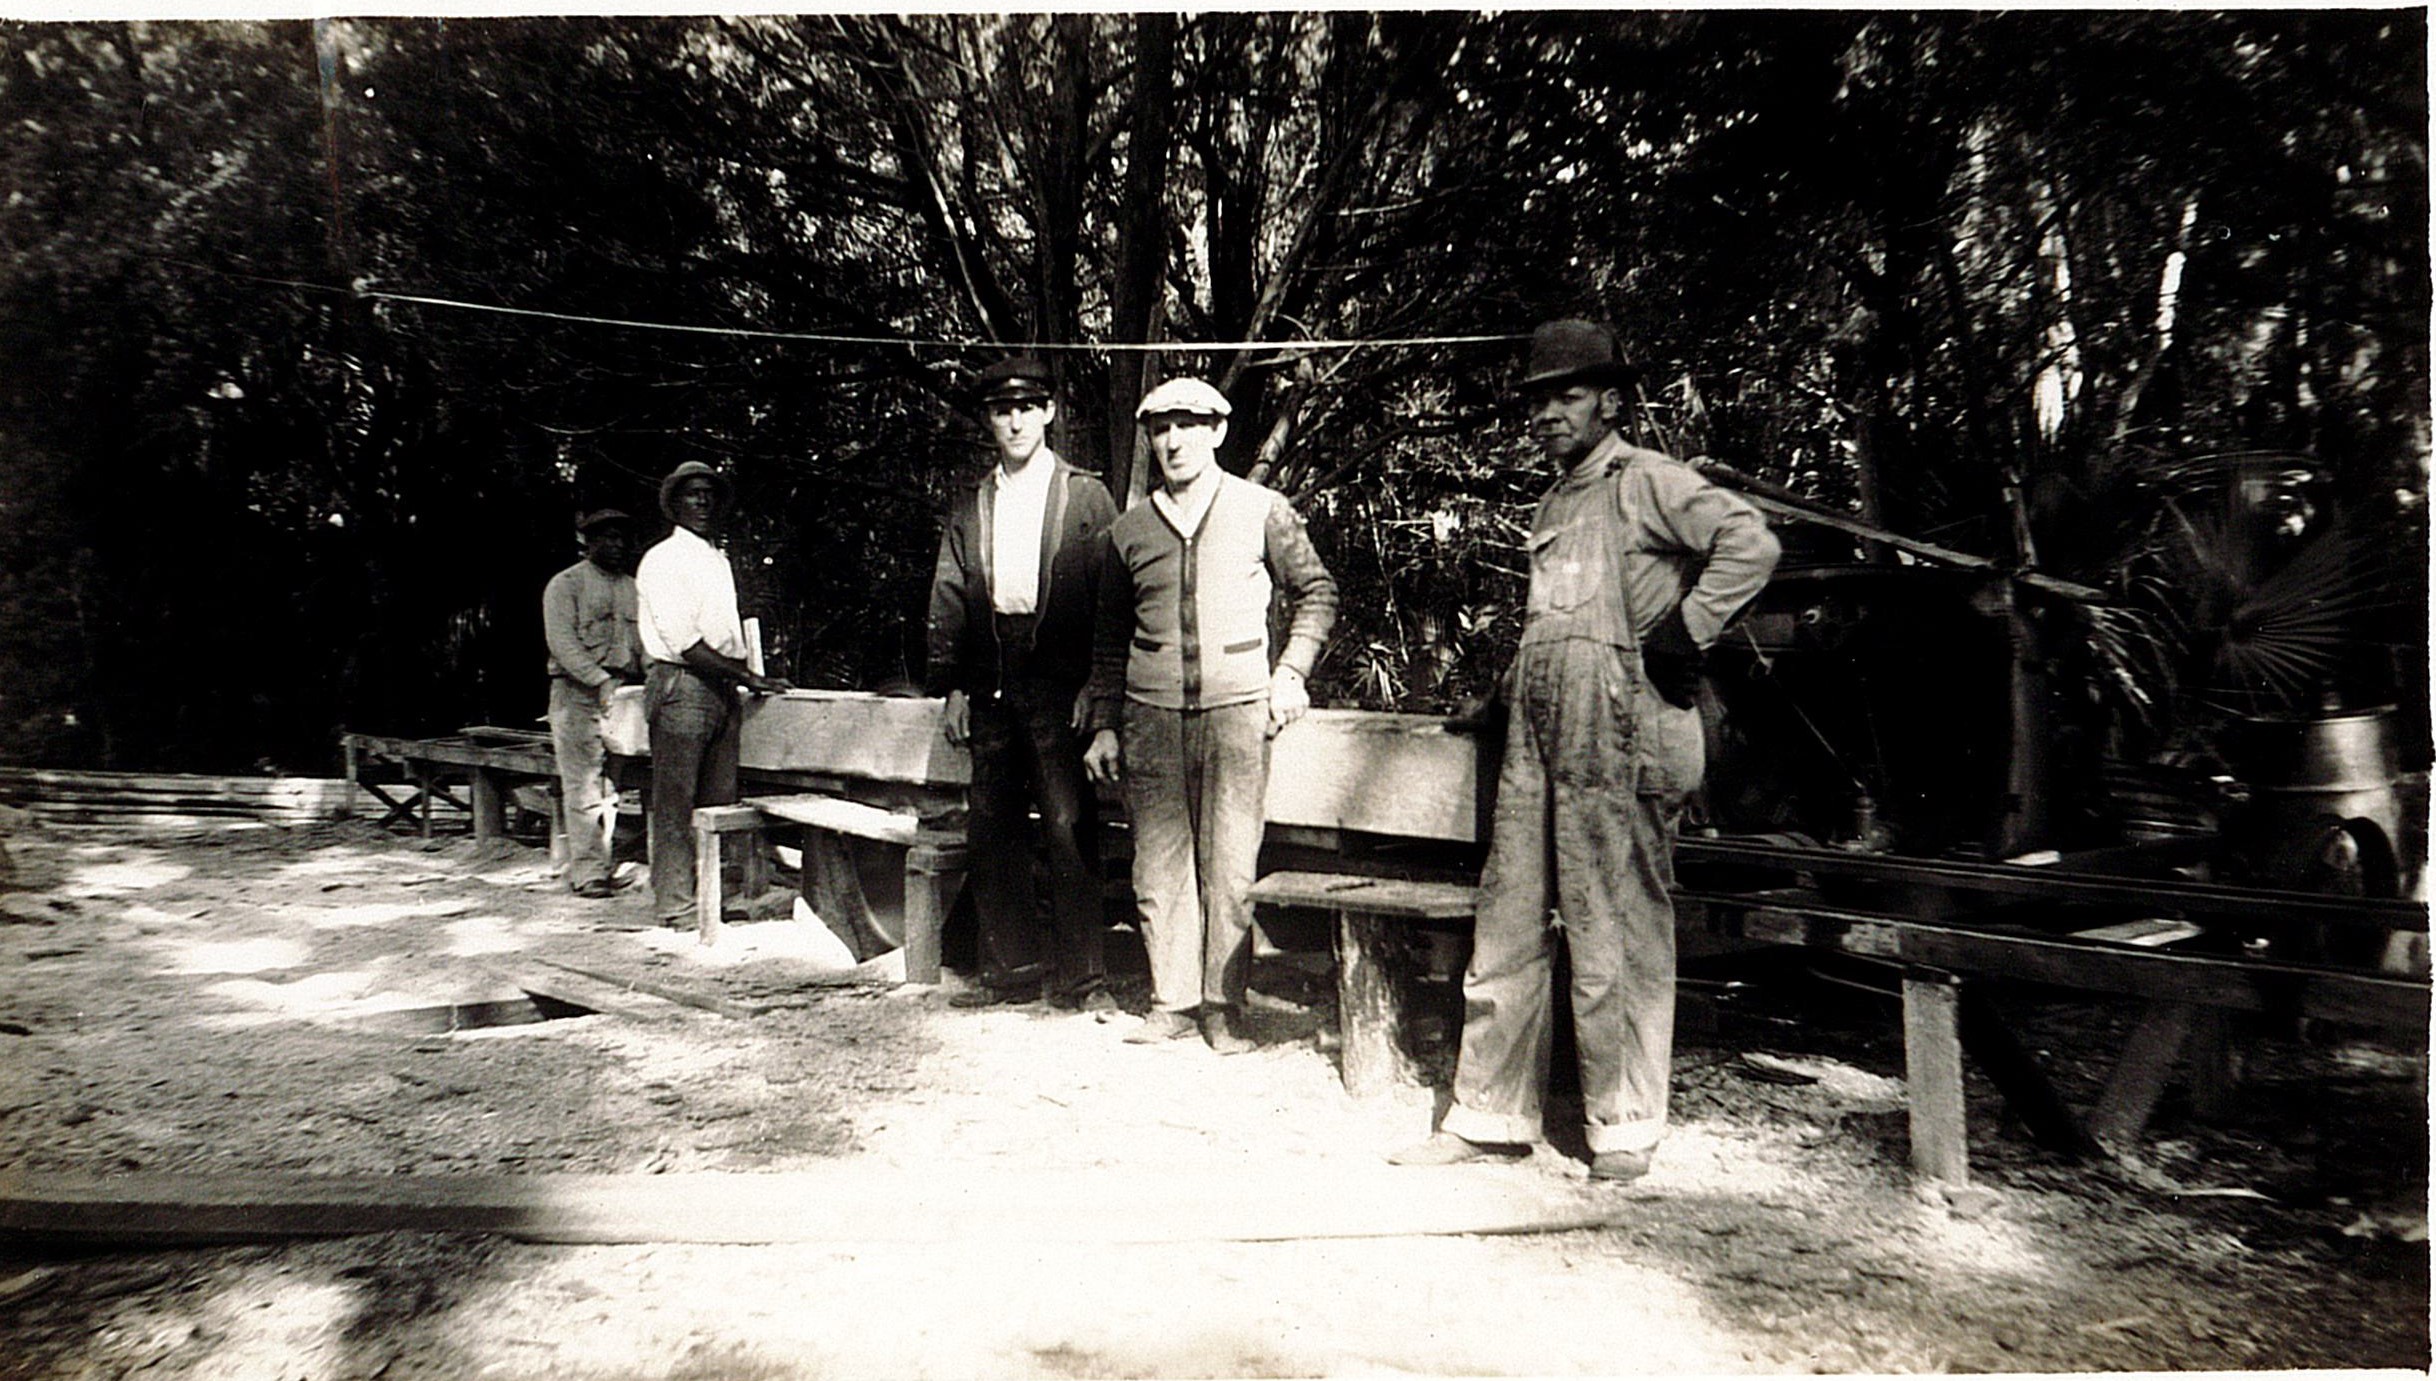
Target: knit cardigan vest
{"points": [[1201, 601]]}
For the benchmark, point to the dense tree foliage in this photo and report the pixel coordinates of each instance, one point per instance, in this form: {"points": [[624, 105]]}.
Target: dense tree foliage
{"points": [[2044, 288]]}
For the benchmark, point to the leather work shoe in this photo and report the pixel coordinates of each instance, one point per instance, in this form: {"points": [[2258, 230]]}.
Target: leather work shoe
{"points": [[1446, 1148], [987, 996], [1161, 1026], [1091, 1002], [596, 889], [1621, 1167], [1218, 1027]]}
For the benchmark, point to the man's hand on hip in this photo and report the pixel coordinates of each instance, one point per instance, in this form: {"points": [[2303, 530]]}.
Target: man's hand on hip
{"points": [[1672, 661], [957, 719], [1104, 760], [1288, 698]]}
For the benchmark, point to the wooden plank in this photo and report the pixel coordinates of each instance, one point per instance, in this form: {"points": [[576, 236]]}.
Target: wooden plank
{"points": [[2163, 896], [839, 816], [583, 991], [846, 1204], [687, 997], [1393, 774], [849, 733], [1377, 896], [1932, 1068], [2140, 1076]]}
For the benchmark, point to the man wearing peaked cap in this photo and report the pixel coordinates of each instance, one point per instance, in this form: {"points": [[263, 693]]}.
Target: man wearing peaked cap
{"points": [[588, 619], [691, 631], [1637, 563], [1186, 692], [1011, 603]]}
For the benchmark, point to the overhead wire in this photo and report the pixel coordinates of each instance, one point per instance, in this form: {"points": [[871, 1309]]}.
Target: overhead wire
{"points": [[932, 342]]}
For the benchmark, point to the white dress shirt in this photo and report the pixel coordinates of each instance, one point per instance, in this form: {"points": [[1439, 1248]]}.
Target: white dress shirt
{"points": [[1185, 514], [1022, 505], [685, 593]]}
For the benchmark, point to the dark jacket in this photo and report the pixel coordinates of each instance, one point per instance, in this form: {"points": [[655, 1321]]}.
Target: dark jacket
{"points": [[963, 646]]}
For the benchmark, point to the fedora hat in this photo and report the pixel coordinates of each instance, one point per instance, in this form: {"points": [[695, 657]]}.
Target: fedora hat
{"points": [[668, 487], [1574, 352], [1020, 378]]}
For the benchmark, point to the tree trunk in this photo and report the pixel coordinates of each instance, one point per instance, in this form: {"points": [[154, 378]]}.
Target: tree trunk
{"points": [[1135, 291]]}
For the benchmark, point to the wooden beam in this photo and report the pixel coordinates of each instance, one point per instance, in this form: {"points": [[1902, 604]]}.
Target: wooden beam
{"points": [[2207, 980], [847, 1204], [2140, 1076], [684, 997]]}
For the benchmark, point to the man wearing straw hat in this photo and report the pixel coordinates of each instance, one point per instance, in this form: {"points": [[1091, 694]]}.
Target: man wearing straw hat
{"points": [[686, 601], [1637, 563]]}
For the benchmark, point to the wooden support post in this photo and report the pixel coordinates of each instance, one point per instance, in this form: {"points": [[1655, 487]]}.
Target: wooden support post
{"points": [[346, 803], [1932, 1067], [753, 872], [423, 786], [934, 877], [562, 831], [1369, 1013], [2210, 1065], [490, 806], [706, 881], [2140, 1076]]}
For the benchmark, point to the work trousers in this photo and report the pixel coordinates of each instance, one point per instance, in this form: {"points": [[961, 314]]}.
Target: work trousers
{"points": [[1576, 831], [693, 721], [1025, 754], [587, 799], [1196, 782]]}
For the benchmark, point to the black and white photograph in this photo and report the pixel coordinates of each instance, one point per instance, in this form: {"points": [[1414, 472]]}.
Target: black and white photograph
{"points": [[1233, 693]]}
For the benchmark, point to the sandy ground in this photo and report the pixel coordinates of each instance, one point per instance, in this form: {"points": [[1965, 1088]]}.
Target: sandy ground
{"points": [[229, 1000]]}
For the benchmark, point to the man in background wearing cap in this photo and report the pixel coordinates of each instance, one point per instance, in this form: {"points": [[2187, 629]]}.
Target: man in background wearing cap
{"points": [[588, 618], [1637, 562], [686, 602], [1011, 605], [1185, 696]]}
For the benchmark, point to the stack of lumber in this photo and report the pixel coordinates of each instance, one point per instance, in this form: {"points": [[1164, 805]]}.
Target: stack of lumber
{"points": [[117, 798]]}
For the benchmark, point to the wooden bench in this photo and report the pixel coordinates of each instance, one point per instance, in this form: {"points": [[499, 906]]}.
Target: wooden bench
{"points": [[1369, 1009], [838, 766], [490, 760], [934, 871]]}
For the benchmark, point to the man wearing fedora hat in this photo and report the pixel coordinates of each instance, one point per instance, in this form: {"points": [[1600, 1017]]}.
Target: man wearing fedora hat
{"points": [[1185, 695], [1637, 563], [1011, 605], [588, 619], [686, 605]]}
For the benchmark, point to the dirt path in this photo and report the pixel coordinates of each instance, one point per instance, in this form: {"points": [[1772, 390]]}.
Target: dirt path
{"points": [[226, 1001]]}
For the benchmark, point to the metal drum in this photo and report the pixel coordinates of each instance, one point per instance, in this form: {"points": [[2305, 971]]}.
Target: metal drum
{"points": [[2330, 807]]}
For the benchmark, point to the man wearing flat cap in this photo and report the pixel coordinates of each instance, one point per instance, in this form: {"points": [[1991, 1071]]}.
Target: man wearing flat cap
{"points": [[1011, 605], [1187, 691], [1637, 563], [686, 604], [588, 619]]}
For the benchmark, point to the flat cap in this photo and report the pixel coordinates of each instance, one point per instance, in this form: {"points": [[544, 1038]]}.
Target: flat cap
{"points": [[590, 519], [1021, 377], [1183, 395]]}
